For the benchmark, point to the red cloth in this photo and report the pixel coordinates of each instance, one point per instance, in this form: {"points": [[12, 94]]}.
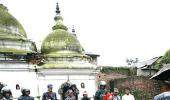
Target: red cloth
{"points": [[106, 96]]}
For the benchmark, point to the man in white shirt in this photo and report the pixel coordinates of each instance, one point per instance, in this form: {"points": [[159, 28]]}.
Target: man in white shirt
{"points": [[127, 95]]}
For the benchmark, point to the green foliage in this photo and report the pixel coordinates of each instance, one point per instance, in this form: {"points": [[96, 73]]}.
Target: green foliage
{"points": [[140, 94], [164, 60], [122, 70]]}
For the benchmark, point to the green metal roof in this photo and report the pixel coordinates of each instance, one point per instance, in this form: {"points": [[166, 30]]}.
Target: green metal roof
{"points": [[9, 24]]}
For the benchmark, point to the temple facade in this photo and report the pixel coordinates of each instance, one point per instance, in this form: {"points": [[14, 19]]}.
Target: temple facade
{"points": [[62, 59]]}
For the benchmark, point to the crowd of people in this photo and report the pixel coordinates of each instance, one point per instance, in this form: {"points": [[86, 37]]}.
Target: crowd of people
{"points": [[69, 91], [6, 94], [103, 94]]}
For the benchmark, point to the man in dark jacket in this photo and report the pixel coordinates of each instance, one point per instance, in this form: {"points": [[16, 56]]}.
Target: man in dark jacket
{"points": [[6, 93], [25, 94], [99, 95], [1, 86], [49, 95]]}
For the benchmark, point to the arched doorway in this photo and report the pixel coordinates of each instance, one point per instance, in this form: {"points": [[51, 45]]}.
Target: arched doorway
{"points": [[67, 88]]}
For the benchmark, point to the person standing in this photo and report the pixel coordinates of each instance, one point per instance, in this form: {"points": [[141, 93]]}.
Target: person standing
{"points": [[75, 90], [49, 95], [6, 93], [116, 94], [162, 96], [25, 94], [127, 95], [108, 95], [99, 95], [70, 95], [1, 86], [85, 96]]}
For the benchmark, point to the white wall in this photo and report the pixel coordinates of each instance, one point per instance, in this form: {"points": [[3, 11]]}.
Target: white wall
{"points": [[24, 79], [19, 73], [57, 80], [141, 72]]}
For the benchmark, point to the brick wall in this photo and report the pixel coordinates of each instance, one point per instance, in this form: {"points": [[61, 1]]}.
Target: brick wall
{"points": [[142, 87], [108, 77]]}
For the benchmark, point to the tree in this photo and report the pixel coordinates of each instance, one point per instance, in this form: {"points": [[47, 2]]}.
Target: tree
{"points": [[132, 61]]}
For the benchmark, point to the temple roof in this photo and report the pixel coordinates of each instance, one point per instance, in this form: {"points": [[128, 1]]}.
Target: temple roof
{"points": [[61, 49], [13, 37], [60, 39], [9, 25]]}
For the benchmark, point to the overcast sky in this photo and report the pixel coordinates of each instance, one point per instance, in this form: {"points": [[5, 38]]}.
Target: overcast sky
{"points": [[114, 29]]}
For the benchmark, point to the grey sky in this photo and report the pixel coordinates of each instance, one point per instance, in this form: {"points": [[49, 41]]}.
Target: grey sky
{"points": [[115, 29]]}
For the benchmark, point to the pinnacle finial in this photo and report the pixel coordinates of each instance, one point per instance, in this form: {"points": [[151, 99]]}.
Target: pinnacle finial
{"points": [[73, 30], [57, 9], [59, 20]]}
